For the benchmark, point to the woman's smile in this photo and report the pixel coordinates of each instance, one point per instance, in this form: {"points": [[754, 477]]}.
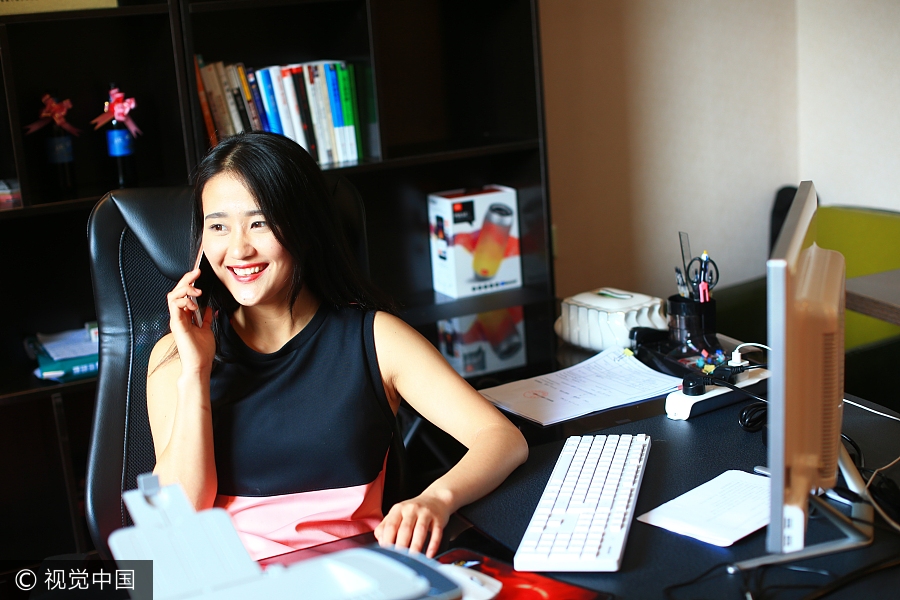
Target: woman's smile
{"points": [[247, 273]]}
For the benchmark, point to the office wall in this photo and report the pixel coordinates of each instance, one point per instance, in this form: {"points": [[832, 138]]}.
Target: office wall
{"points": [[849, 99], [665, 116]]}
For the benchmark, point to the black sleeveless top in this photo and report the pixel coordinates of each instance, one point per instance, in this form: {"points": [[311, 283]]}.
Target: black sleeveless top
{"points": [[311, 416]]}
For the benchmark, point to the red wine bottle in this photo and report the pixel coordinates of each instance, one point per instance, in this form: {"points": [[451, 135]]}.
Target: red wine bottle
{"points": [[61, 157]]}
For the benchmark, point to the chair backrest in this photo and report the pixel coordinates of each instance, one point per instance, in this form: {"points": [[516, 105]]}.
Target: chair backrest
{"points": [[139, 247]]}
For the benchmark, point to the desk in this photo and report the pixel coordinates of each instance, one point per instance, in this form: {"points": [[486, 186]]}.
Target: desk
{"points": [[876, 295], [683, 455]]}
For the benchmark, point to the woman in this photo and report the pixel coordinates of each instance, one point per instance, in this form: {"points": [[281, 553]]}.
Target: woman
{"points": [[278, 407]]}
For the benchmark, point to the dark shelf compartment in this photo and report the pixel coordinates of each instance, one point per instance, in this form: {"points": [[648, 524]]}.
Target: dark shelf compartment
{"points": [[472, 75], [143, 66], [396, 203], [429, 307]]}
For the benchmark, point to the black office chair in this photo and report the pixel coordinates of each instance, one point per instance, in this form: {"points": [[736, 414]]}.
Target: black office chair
{"points": [[140, 247]]}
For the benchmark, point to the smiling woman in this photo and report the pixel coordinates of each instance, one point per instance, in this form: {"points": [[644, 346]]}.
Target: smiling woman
{"points": [[280, 407]]}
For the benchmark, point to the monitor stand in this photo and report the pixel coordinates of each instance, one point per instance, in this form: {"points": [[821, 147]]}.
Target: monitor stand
{"points": [[858, 529]]}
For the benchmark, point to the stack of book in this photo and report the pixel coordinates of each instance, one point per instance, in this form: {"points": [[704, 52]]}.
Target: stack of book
{"points": [[315, 104], [10, 194], [65, 356]]}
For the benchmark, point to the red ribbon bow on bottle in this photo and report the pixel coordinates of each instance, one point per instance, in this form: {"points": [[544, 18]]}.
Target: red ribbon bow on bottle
{"points": [[117, 108], [53, 111]]}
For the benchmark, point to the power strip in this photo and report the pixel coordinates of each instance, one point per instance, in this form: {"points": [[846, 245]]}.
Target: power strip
{"points": [[680, 407]]}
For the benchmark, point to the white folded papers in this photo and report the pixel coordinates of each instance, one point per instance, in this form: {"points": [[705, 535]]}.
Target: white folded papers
{"points": [[719, 512]]}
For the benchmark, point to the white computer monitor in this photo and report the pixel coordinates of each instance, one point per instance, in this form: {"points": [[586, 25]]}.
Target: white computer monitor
{"points": [[805, 287]]}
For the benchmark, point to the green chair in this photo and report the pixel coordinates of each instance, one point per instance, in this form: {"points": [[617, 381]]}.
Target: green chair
{"points": [[869, 239]]}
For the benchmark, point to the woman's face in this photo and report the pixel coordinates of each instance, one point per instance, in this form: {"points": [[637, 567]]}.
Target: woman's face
{"points": [[240, 245]]}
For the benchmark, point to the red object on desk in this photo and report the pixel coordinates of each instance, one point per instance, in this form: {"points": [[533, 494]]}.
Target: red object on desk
{"points": [[519, 585]]}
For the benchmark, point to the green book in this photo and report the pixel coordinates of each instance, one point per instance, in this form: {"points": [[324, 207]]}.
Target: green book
{"points": [[350, 118], [354, 110], [68, 369]]}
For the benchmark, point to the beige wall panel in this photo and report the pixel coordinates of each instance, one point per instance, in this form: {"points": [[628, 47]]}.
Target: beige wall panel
{"points": [[849, 98], [666, 116]]}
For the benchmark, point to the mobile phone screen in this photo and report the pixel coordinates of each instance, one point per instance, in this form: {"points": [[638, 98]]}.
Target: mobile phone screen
{"points": [[204, 283]]}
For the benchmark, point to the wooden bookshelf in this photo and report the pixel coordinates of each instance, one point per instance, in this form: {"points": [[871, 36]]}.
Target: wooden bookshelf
{"points": [[457, 90]]}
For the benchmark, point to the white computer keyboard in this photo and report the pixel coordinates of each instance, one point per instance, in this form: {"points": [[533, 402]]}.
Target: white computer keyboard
{"points": [[582, 520]]}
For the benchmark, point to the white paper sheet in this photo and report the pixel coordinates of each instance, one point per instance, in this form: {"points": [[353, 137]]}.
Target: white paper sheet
{"points": [[604, 381], [719, 512], [68, 344]]}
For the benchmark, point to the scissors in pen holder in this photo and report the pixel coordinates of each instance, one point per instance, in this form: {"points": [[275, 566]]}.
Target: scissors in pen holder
{"points": [[703, 275]]}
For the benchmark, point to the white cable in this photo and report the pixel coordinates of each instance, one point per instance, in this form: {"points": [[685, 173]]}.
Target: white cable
{"points": [[880, 414], [884, 516], [737, 360], [752, 344]]}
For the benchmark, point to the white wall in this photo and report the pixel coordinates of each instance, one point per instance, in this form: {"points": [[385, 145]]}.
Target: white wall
{"points": [[666, 116], [849, 100]]}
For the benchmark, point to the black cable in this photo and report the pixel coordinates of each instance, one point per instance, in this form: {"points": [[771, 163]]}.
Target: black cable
{"points": [[669, 589], [753, 417], [840, 582]]}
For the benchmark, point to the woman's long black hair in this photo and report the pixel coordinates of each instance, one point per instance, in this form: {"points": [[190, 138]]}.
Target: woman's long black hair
{"points": [[291, 192]]}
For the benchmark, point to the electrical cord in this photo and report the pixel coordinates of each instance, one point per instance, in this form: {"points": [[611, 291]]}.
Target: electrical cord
{"points": [[753, 416], [845, 580], [871, 410]]}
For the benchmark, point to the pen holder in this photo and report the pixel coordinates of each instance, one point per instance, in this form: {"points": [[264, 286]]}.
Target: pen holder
{"points": [[692, 324]]}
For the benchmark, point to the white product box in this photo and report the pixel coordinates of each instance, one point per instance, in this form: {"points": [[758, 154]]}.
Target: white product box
{"points": [[484, 343], [474, 241]]}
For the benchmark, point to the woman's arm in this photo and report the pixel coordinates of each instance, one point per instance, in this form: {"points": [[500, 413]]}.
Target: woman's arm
{"points": [[178, 400], [415, 371]]}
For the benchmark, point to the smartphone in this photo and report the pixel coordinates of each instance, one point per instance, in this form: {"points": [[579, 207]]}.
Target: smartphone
{"points": [[204, 283]]}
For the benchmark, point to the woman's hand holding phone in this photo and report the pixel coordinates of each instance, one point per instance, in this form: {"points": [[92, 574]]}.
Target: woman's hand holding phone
{"points": [[190, 318]]}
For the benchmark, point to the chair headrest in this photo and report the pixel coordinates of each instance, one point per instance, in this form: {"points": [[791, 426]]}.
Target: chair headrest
{"points": [[164, 234]]}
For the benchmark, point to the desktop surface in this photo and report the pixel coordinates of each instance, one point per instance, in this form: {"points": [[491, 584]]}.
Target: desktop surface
{"points": [[685, 454]]}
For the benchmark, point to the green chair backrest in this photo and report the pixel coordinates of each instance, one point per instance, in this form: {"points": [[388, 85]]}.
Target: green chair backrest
{"points": [[869, 239]]}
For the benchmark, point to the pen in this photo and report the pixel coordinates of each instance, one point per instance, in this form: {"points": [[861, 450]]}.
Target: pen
{"points": [[683, 289], [704, 267]]}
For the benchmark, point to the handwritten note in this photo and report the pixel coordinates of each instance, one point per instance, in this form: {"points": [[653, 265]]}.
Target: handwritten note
{"points": [[719, 512], [605, 381]]}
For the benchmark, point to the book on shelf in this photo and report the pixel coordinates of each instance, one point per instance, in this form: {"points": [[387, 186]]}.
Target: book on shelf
{"points": [[237, 123], [267, 92], [316, 104], [293, 106], [247, 97], [216, 96], [284, 111], [346, 74], [10, 194], [253, 82], [320, 122], [204, 105], [324, 101], [64, 356], [234, 83], [305, 113]]}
